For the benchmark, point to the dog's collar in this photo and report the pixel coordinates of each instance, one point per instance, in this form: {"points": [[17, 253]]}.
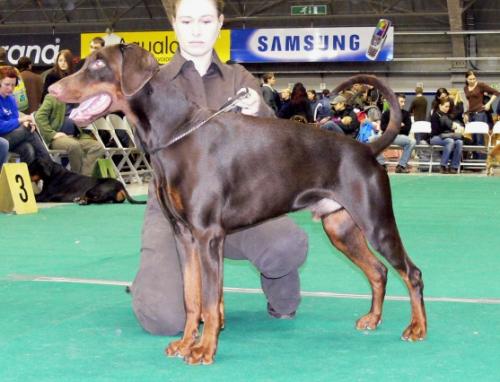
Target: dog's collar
{"points": [[229, 105]]}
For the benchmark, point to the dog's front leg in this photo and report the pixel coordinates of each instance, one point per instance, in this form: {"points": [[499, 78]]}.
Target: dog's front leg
{"points": [[211, 257], [188, 250]]}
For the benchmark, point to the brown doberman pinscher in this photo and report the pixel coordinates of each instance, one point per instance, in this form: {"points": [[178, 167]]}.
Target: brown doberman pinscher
{"points": [[209, 183]]}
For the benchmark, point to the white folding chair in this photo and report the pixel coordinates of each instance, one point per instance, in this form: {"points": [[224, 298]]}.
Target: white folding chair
{"points": [[136, 156], [421, 149], [481, 128], [495, 136], [123, 166], [141, 162]]}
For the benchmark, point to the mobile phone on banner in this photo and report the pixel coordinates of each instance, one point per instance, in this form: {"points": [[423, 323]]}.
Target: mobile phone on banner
{"points": [[378, 39]]}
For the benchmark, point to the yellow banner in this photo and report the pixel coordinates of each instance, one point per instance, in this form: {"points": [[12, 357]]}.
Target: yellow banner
{"points": [[162, 44]]}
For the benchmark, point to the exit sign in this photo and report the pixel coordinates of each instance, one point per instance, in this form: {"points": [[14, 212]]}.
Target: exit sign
{"points": [[307, 10]]}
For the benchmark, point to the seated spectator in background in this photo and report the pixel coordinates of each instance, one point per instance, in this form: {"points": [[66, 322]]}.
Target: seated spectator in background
{"points": [[441, 93], [443, 135], [298, 105], [344, 120], [457, 113], [356, 96], [313, 101], [18, 130], [270, 95], [32, 82], [60, 133], [418, 107], [95, 44], [62, 67], [284, 97], [4, 151], [402, 139], [325, 111]]}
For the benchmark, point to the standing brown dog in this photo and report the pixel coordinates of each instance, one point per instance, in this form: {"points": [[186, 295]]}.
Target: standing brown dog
{"points": [[237, 170]]}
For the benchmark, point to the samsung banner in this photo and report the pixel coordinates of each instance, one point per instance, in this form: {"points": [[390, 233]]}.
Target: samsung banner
{"points": [[313, 44]]}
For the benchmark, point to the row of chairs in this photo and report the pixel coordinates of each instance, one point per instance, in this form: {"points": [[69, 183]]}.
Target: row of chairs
{"points": [[428, 156], [130, 163]]}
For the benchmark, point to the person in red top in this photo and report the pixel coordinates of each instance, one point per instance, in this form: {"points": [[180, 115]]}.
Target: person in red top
{"points": [[475, 93]]}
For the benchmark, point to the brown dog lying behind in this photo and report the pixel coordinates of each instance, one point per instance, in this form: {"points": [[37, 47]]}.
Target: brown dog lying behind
{"points": [[61, 185]]}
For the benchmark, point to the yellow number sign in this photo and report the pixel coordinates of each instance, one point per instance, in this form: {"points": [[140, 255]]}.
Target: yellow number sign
{"points": [[16, 193]]}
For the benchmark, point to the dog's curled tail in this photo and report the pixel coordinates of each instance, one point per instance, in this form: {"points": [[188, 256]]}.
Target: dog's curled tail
{"points": [[384, 141]]}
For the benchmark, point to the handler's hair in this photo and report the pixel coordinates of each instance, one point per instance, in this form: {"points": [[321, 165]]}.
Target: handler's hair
{"points": [[8, 71], [171, 7]]}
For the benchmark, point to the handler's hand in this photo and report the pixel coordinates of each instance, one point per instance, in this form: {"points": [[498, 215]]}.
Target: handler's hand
{"points": [[250, 104]]}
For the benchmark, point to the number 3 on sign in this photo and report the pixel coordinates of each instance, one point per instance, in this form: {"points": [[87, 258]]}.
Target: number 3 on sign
{"points": [[16, 193]]}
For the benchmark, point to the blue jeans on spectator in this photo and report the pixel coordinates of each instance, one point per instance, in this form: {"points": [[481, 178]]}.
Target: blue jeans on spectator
{"points": [[4, 151], [403, 141], [27, 144], [332, 126], [451, 146], [478, 139]]}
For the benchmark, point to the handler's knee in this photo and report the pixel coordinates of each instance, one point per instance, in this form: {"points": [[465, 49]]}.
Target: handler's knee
{"points": [[286, 253], [156, 319]]}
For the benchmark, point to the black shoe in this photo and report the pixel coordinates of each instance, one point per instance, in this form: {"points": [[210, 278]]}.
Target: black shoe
{"points": [[402, 170], [443, 170], [279, 316], [453, 170]]}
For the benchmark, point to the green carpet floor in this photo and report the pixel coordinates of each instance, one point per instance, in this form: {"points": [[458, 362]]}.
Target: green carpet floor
{"points": [[82, 332]]}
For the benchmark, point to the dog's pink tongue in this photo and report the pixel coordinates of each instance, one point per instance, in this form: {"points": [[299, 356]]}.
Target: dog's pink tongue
{"points": [[90, 108]]}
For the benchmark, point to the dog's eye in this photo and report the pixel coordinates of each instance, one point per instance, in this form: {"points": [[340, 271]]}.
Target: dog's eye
{"points": [[97, 64]]}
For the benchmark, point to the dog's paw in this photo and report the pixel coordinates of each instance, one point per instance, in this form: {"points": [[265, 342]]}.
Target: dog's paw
{"points": [[180, 348], [368, 322], [416, 331], [200, 355]]}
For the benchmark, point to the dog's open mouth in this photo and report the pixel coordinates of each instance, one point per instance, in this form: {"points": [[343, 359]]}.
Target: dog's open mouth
{"points": [[90, 109]]}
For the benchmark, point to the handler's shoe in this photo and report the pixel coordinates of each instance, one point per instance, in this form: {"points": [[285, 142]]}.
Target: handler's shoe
{"points": [[279, 316]]}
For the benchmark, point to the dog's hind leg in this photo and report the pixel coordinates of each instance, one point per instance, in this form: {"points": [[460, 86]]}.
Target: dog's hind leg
{"points": [[346, 236]]}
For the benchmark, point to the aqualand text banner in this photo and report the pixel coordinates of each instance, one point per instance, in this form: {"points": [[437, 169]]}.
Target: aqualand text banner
{"points": [[162, 44], [312, 45]]}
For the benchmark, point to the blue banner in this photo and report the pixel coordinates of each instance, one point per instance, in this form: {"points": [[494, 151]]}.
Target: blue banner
{"points": [[313, 44]]}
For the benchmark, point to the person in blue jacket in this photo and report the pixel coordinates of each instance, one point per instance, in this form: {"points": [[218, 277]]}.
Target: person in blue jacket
{"points": [[18, 130]]}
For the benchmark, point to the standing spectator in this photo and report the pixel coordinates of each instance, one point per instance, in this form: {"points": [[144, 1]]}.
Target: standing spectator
{"points": [[298, 105], [32, 82], [4, 151], [95, 44], [418, 107], [344, 120], [402, 139], [17, 130], [478, 107], [475, 93], [62, 67], [443, 135], [270, 95], [59, 132]]}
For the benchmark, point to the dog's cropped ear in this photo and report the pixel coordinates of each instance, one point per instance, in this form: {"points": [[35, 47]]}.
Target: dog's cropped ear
{"points": [[138, 66]]}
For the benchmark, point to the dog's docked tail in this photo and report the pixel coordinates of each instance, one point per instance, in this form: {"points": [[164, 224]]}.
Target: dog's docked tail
{"points": [[380, 144], [130, 199]]}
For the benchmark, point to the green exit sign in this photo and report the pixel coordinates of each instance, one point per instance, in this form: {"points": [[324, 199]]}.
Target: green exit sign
{"points": [[308, 10]]}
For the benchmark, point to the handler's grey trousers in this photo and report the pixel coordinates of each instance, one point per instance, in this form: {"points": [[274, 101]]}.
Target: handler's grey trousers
{"points": [[277, 248]]}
